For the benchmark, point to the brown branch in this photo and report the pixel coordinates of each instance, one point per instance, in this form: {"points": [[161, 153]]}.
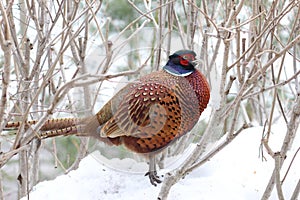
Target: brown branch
{"points": [[288, 141], [5, 42]]}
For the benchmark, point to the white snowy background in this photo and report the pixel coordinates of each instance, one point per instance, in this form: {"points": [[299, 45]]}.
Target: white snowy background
{"points": [[235, 173]]}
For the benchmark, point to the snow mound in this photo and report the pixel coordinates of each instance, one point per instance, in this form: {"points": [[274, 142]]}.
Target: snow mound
{"points": [[237, 172]]}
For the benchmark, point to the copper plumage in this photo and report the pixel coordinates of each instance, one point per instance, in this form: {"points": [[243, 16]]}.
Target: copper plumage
{"points": [[149, 113]]}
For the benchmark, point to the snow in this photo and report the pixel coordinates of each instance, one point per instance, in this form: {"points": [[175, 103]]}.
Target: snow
{"points": [[235, 173]]}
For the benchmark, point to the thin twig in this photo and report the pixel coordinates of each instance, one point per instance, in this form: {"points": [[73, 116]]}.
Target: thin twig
{"points": [[290, 165]]}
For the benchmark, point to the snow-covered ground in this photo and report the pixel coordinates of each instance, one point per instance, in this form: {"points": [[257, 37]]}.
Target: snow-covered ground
{"points": [[235, 173]]}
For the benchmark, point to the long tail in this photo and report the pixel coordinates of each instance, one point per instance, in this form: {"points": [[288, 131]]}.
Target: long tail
{"points": [[61, 127], [71, 130], [50, 124], [54, 127], [70, 126]]}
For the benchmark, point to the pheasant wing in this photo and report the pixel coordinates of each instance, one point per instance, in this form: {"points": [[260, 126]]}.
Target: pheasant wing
{"points": [[138, 115]]}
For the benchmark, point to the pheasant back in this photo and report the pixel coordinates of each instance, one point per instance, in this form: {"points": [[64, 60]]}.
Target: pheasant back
{"points": [[147, 114], [156, 110]]}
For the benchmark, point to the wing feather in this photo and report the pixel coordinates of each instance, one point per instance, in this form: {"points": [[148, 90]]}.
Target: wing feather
{"points": [[134, 114]]}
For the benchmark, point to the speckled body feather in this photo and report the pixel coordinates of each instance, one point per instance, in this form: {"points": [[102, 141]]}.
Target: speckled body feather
{"points": [[147, 114], [153, 111]]}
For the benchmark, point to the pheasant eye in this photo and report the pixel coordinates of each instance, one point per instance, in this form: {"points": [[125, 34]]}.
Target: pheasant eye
{"points": [[189, 57], [184, 61]]}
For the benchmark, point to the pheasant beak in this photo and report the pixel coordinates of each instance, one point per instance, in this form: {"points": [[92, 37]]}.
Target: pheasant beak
{"points": [[194, 62]]}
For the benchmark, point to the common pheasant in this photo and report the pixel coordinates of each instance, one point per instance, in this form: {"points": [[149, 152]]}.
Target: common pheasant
{"points": [[147, 114]]}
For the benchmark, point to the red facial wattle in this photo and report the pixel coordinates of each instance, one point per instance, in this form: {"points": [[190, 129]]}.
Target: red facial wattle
{"points": [[186, 58], [184, 62]]}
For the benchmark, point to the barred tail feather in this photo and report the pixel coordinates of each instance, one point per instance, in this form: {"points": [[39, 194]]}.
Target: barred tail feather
{"points": [[62, 123], [16, 125], [71, 130], [50, 124]]}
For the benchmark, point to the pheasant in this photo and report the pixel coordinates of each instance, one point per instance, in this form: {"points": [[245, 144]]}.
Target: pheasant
{"points": [[147, 114]]}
